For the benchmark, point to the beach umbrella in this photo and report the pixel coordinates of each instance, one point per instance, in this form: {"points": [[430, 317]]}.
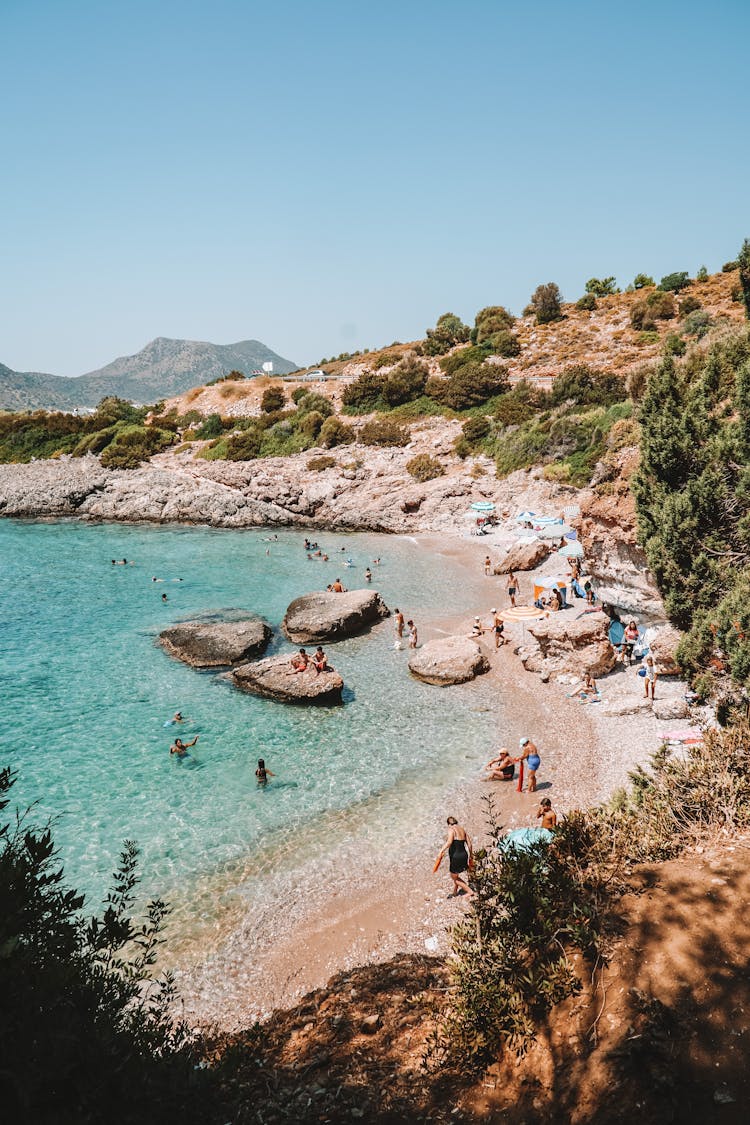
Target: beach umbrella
{"points": [[526, 517], [553, 530], [572, 550], [522, 613], [483, 506]]}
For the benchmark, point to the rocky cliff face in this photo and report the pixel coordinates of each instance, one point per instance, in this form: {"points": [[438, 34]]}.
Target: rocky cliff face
{"points": [[609, 536]]}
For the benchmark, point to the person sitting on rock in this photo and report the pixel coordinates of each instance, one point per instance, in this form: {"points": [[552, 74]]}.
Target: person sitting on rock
{"points": [[337, 587], [477, 629], [320, 661], [300, 661]]}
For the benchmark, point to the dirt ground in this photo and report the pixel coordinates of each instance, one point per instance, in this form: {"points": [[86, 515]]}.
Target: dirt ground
{"points": [[661, 1033]]}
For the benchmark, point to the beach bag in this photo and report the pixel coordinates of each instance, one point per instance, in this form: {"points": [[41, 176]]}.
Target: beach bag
{"points": [[641, 671]]}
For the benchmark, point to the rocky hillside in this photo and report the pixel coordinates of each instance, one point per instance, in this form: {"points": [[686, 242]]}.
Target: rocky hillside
{"points": [[164, 367]]}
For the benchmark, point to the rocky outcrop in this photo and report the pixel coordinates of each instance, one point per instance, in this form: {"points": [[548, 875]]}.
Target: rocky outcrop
{"points": [[275, 678], [448, 660], [613, 558], [663, 648], [524, 555], [213, 643], [324, 616], [671, 708], [564, 643]]}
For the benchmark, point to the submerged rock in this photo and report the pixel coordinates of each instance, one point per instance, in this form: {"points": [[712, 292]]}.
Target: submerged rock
{"points": [[211, 643], [275, 678], [324, 616], [448, 660]]}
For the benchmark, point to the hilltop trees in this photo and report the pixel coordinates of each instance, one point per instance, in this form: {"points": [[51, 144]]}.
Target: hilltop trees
{"points": [[449, 331], [744, 264], [546, 303], [602, 287]]}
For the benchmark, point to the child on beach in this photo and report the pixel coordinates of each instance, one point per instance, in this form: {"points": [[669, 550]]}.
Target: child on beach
{"points": [[413, 638], [547, 813], [651, 677]]}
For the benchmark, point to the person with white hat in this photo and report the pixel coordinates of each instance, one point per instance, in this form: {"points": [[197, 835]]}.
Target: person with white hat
{"points": [[477, 629], [497, 628]]}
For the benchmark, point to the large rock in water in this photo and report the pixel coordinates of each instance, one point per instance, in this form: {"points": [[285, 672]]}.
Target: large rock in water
{"points": [[523, 556], [330, 617], [274, 678], [210, 642], [569, 644], [448, 660]]}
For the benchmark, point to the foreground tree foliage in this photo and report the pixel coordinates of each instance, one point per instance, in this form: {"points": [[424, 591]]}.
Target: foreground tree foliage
{"points": [[85, 1030]]}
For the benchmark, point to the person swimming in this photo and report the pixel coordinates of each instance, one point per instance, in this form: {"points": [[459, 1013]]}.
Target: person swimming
{"points": [[263, 773], [181, 748]]}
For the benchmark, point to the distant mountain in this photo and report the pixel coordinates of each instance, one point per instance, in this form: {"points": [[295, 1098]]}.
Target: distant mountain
{"points": [[163, 368]]}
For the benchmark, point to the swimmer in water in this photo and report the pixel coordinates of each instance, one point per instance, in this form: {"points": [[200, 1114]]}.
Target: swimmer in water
{"points": [[368, 575], [177, 717], [181, 748], [164, 598], [262, 773]]}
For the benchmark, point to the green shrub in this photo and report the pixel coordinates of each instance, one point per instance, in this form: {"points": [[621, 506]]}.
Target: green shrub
{"points": [[335, 432], [232, 377], [213, 427], [314, 403], [546, 302], [424, 468], [489, 321], [645, 312], [405, 382], [642, 281], [729, 267], [744, 266], [132, 445], [674, 345], [385, 359], [363, 395], [449, 331], [697, 323], [476, 429], [688, 304], [601, 287], [587, 303], [311, 424], [588, 387], [471, 385], [298, 394], [674, 282], [273, 399], [384, 431], [702, 274], [503, 343], [244, 447], [320, 464]]}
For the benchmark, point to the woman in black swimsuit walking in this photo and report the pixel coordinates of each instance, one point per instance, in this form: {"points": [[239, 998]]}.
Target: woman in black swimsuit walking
{"points": [[458, 847]]}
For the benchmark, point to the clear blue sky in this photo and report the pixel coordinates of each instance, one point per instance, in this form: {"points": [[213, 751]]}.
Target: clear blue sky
{"points": [[331, 176]]}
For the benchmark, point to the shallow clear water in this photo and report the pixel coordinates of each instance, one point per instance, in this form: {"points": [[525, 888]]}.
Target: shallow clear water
{"points": [[86, 692]]}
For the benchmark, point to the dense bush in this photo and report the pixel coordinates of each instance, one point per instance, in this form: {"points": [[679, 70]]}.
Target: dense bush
{"points": [[697, 323], [211, 428], [132, 445], [85, 1032], [601, 287], [674, 282], [298, 394], [470, 385], [688, 304], [647, 310], [310, 424], [587, 303], [364, 393], [489, 321], [546, 302], [314, 402], [588, 387], [674, 345], [405, 382], [385, 359], [520, 404], [424, 468], [273, 399], [245, 446], [449, 331], [335, 432], [730, 267], [383, 431], [642, 281]]}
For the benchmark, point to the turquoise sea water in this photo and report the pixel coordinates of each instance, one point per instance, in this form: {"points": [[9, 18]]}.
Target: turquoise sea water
{"points": [[86, 692]]}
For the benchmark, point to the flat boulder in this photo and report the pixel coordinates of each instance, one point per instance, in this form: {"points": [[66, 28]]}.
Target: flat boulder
{"points": [[325, 616], [670, 708], [524, 555], [275, 678], [565, 643], [448, 660], [210, 642]]}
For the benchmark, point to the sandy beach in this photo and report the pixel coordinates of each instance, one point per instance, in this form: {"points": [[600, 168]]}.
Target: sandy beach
{"points": [[306, 931]]}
